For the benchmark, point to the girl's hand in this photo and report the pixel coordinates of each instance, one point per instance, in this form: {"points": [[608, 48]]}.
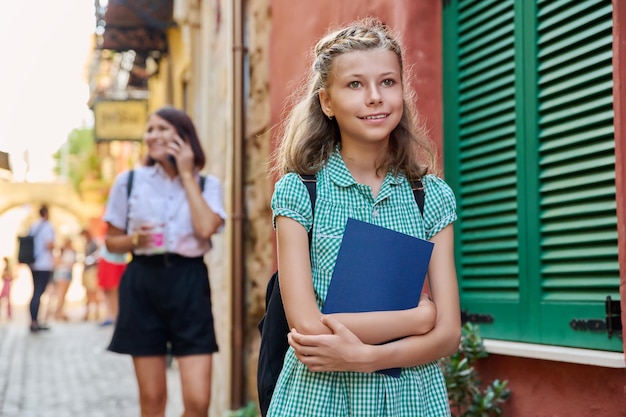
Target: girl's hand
{"points": [[339, 351]]}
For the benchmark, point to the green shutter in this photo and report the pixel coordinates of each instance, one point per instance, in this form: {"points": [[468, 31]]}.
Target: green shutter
{"points": [[487, 244], [576, 157], [529, 150]]}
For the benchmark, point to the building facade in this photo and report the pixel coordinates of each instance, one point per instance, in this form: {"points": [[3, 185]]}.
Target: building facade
{"points": [[525, 102]]}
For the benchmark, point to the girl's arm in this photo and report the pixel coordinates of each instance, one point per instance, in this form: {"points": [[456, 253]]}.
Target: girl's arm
{"points": [[382, 326], [343, 351], [296, 281], [296, 285]]}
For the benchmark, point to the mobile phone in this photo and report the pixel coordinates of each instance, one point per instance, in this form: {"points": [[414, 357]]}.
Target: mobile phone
{"points": [[171, 158], [172, 161]]}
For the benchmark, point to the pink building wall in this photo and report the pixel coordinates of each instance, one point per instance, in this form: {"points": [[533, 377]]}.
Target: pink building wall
{"points": [[297, 26], [539, 388]]}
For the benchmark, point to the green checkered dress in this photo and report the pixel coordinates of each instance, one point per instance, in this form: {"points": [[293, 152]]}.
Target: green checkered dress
{"points": [[420, 391]]}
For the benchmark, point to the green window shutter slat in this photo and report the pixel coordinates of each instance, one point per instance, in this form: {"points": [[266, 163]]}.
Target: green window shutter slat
{"points": [[486, 234], [578, 241], [601, 132], [579, 123], [598, 88], [584, 56], [575, 82], [481, 89], [598, 148], [491, 161], [581, 194], [489, 147], [480, 102], [579, 27], [490, 284], [473, 15], [580, 168], [488, 202], [497, 138], [586, 208], [471, 189], [574, 254], [578, 283], [566, 114], [576, 224], [486, 78], [491, 46], [481, 224], [485, 176], [555, 13]]}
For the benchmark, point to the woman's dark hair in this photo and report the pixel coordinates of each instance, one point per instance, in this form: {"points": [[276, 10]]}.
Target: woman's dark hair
{"points": [[186, 130]]}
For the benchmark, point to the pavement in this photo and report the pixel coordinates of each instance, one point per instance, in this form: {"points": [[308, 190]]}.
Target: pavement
{"points": [[67, 372]]}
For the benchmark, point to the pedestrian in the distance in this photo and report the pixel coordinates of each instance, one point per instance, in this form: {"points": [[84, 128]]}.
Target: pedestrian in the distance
{"points": [[63, 273], [111, 266], [355, 130], [167, 223], [42, 268], [7, 278], [90, 276]]}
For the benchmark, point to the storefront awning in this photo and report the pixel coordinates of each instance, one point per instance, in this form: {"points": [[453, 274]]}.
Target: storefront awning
{"points": [[138, 25]]}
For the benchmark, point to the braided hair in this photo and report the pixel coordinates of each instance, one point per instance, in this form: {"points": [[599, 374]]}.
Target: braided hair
{"points": [[309, 137]]}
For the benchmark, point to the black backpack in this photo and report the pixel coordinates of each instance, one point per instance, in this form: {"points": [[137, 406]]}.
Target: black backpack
{"points": [[26, 247], [274, 327]]}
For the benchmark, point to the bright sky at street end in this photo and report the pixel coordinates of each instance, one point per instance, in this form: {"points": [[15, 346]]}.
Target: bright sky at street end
{"points": [[43, 79]]}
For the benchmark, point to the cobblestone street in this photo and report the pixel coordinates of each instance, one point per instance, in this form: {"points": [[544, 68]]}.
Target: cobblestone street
{"points": [[67, 371]]}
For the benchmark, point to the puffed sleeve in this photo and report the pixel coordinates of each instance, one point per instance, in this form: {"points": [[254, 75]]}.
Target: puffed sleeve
{"points": [[117, 205], [439, 205], [291, 199]]}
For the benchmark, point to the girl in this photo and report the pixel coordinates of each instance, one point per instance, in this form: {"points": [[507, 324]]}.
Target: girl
{"points": [[355, 129], [166, 220], [7, 277]]}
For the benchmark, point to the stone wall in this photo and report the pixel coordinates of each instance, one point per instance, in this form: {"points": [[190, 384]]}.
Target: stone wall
{"points": [[259, 235], [202, 83]]}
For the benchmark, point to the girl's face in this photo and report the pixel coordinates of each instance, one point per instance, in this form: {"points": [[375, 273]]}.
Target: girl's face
{"points": [[159, 132], [365, 95]]}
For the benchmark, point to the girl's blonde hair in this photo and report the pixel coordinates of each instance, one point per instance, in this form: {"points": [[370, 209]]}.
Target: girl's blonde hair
{"points": [[309, 137]]}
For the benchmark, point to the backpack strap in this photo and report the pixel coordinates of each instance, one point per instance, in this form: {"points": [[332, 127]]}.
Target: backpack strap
{"points": [[311, 186], [39, 227], [418, 192], [129, 188]]}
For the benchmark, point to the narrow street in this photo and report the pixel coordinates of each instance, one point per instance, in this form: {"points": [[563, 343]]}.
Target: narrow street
{"points": [[67, 371]]}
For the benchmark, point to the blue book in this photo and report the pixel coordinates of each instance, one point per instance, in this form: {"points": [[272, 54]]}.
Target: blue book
{"points": [[377, 269]]}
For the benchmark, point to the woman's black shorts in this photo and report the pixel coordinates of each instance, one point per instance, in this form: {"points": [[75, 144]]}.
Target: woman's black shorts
{"points": [[164, 299]]}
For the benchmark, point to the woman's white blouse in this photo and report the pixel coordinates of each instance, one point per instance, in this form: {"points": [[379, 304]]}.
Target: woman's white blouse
{"points": [[159, 200]]}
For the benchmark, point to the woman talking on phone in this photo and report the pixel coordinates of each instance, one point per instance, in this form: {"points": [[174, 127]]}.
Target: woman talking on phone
{"points": [[165, 214]]}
